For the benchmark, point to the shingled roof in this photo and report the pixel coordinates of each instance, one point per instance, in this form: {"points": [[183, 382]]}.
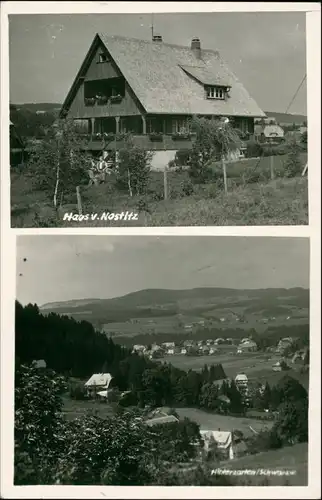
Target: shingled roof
{"points": [[158, 73]]}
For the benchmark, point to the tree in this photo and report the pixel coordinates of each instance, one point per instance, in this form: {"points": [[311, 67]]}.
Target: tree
{"points": [[288, 389], [306, 360], [59, 163], [39, 436], [214, 139], [236, 398], [68, 346], [293, 165], [134, 166], [266, 397], [177, 441], [111, 451], [292, 423], [304, 140]]}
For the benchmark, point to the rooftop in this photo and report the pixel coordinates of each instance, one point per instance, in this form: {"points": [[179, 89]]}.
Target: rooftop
{"points": [[158, 73], [100, 380]]}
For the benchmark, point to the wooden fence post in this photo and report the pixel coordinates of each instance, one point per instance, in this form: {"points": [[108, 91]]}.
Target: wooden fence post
{"points": [[165, 182], [272, 167], [79, 201], [224, 173]]}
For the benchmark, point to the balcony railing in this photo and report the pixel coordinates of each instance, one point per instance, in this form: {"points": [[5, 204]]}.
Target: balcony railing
{"points": [[157, 142], [103, 100]]}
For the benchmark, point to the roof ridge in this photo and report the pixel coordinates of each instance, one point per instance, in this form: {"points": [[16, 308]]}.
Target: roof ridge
{"points": [[150, 42]]}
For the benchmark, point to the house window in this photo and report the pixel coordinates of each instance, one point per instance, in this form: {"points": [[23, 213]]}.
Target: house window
{"points": [[244, 126], [154, 125], [179, 126], [215, 93], [102, 58]]}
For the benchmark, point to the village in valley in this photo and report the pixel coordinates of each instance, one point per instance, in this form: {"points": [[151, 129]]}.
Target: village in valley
{"points": [[231, 392]]}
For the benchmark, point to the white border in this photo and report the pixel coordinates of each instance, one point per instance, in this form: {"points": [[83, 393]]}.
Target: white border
{"points": [[8, 251]]}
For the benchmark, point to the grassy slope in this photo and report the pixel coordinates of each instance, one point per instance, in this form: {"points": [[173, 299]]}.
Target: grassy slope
{"points": [[291, 458], [282, 201], [212, 421], [255, 365]]}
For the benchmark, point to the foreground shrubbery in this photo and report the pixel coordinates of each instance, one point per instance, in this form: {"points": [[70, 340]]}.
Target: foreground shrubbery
{"points": [[122, 450], [119, 450]]}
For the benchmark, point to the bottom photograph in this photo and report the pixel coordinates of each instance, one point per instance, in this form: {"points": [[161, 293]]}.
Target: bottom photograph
{"points": [[161, 360]]}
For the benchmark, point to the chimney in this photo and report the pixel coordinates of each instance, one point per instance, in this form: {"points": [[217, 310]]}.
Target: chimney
{"points": [[157, 38], [196, 47]]}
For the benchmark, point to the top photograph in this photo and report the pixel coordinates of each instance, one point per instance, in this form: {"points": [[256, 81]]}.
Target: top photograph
{"points": [[139, 120]]}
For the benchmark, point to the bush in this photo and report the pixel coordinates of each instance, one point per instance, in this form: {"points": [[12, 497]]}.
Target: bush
{"points": [[214, 139], [77, 392], [187, 187], [281, 149], [134, 167], [264, 441], [182, 157], [253, 150], [293, 165]]}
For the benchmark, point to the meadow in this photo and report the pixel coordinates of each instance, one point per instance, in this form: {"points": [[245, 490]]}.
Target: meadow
{"points": [[213, 421], [252, 199], [290, 458], [257, 366], [73, 408]]}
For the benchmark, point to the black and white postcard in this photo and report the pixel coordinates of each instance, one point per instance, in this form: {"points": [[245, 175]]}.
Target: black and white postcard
{"points": [[160, 250]]}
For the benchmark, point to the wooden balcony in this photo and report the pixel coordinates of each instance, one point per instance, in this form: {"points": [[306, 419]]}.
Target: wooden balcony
{"points": [[148, 142]]}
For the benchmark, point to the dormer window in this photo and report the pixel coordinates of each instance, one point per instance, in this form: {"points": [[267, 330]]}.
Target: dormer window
{"points": [[102, 58], [216, 92]]}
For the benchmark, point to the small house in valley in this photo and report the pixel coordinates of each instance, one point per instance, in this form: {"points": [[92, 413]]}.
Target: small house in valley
{"points": [[98, 382], [277, 367], [247, 346], [222, 440], [241, 381], [139, 349], [152, 89], [162, 420], [39, 363], [168, 345]]}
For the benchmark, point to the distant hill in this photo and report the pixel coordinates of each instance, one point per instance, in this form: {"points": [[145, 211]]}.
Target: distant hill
{"points": [[207, 302], [286, 118], [37, 106]]}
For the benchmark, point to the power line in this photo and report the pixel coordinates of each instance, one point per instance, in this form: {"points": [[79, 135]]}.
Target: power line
{"points": [[297, 91]]}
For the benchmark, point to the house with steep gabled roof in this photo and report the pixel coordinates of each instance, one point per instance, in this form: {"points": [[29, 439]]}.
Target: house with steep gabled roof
{"points": [[152, 89], [162, 420], [223, 440], [97, 382]]}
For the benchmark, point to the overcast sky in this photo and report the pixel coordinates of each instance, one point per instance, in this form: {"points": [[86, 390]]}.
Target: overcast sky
{"points": [[267, 51], [61, 268]]}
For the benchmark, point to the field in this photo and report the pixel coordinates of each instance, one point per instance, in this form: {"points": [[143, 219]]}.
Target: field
{"points": [[73, 409], [169, 325], [264, 202], [150, 315], [291, 458], [257, 366], [212, 421]]}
